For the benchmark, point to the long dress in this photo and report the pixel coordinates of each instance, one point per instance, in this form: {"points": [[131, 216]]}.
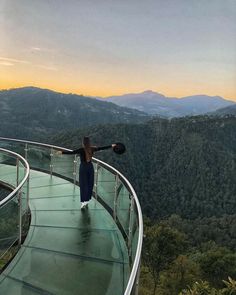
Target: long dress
{"points": [[86, 171]]}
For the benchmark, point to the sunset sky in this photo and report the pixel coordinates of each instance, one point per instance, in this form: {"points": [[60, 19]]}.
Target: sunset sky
{"points": [[111, 47]]}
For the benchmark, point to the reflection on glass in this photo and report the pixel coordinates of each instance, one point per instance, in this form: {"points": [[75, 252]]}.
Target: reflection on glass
{"points": [[123, 207], [64, 165], [106, 182], [12, 172], [39, 157], [8, 225]]}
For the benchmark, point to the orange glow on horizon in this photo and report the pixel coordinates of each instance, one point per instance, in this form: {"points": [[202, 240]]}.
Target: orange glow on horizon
{"points": [[101, 92]]}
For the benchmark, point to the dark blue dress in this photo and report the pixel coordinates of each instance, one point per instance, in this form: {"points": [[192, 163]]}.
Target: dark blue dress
{"points": [[86, 171]]}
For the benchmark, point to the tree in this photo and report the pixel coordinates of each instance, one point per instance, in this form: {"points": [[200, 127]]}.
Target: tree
{"points": [[217, 264], [181, 273], [204, 288], [200, 288], [162, 245], [230, 287]]}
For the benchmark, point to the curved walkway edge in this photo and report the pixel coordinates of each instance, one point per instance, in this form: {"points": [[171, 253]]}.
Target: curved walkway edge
{"points": [[67, 251]]}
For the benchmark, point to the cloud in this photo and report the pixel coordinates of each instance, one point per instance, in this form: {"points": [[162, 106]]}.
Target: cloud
{"points": [[40, 49], [48, 68], [6, 63], [36, 48], [12, 60]]}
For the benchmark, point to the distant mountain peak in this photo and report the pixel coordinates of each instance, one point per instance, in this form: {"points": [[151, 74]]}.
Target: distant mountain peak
{"points": [[151, 93], [155, 103], [33, 88], [148, 92]]}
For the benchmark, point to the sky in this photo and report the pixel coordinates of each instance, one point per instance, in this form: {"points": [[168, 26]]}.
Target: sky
{"points": [[111, 47]]}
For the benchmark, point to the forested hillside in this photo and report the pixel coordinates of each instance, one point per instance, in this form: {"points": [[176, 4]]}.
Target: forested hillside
{"points": [[184, 166], [184, 173], [33, 113], [228, 111]]}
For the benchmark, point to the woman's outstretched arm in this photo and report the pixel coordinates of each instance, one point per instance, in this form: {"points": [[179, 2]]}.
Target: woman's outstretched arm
{"points": [[100, 148], [77, 151]]}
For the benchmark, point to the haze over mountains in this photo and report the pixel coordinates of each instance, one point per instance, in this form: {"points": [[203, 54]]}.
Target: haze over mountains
{"points": [[29, 111], [157, 104], [231, 110]]}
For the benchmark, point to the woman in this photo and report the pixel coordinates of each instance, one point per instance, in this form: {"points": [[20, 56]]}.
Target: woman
{"points": [[86, 170]]}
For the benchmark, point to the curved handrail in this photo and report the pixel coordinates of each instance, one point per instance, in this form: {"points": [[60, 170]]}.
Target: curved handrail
{"points": [[140, 236], [34, 143], [137, 259], [19, 186]]}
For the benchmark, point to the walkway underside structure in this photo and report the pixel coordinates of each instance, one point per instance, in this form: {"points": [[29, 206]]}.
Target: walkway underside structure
{"points": [[66, 250]]}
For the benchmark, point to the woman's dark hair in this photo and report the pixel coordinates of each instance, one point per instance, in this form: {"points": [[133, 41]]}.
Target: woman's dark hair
{"points": [[86, 142]]}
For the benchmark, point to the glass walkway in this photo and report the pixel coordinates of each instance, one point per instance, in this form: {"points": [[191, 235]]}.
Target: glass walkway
{"points": [[66, 250]]}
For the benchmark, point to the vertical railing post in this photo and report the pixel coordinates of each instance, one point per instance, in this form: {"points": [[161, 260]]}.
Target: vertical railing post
{"points": [[96, 181], [26, 151], [75, 169], [19, 201], [115, 198], [51, 161], [130, 224], [17, 171], [20, 216], [27, 193]]}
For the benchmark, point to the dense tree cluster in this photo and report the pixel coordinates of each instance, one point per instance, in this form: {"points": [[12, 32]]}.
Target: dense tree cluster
{"points": [[184, 166], [171, 263]]}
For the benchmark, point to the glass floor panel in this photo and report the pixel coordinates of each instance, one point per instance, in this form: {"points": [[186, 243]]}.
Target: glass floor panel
{"points": [[44, 181], [54, 190], [11, 286], [8, 174], [75, 218], [55, 203], [99, 244], [67, 251], [66, 274]]}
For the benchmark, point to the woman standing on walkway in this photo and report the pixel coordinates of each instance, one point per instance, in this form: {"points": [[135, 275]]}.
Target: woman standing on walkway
{"points": [[86, 170]]}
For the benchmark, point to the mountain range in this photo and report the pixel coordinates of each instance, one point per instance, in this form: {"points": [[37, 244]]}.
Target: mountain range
{"points": [[154, 103], [29, 112]]}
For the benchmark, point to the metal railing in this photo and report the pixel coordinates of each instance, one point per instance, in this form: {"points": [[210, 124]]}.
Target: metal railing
{"points": [[119, 197], [14, 174], [135, 256]]}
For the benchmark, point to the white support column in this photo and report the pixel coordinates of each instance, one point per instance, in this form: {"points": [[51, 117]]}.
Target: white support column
{"points": [[75, 169], [17, 171], [26, 151], [96, 181], [51, 161], [116, 198], [20, 216], [130, 225]]}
